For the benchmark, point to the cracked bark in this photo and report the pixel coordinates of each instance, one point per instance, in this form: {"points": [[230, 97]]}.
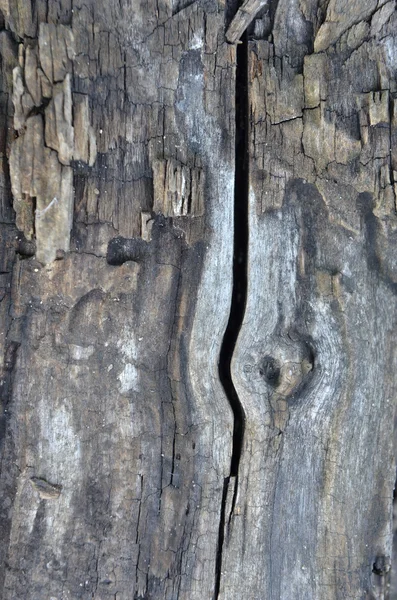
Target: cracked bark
{"points": [[132, 464]]}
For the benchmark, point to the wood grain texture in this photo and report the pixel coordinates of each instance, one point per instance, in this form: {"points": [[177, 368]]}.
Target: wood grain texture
{"points": [[243, 18], [116, 436], [315, 360]]}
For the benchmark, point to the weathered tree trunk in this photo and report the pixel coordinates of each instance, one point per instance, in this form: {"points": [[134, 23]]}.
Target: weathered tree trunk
{"points": [[197, 299]]}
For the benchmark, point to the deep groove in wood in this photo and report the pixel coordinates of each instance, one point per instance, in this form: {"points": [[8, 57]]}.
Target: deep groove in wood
{"points": [[221, 536], [239, 294]]}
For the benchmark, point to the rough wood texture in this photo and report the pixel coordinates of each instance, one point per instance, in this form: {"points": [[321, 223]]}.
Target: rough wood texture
{"points": [[117, 442], [116, 278], [41, 176], [243, 18], [315, 360]]}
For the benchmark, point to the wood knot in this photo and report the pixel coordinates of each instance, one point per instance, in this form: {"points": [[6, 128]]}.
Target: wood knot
{"points": [[381, 565], [270, 369], [287, 369]]}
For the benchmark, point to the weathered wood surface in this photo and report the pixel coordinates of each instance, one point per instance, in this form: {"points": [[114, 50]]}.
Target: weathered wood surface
{"points": [[315, 361], [118, 123], [117, 444]]}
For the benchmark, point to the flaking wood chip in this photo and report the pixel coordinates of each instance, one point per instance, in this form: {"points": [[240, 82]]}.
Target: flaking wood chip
{"points": [[46, 491]]}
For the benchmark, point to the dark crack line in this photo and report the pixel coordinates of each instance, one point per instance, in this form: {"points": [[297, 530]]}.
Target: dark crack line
{"points": [[240, 250], [221, 536], [239, 294]]}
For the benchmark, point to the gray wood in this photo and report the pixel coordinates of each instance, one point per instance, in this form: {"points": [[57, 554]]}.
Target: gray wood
{"points": [[315, 360], [117, 442], [243, 18], [117, 194]]}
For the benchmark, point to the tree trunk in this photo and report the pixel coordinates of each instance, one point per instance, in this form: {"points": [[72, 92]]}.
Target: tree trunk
{"points": [[197, 299]]}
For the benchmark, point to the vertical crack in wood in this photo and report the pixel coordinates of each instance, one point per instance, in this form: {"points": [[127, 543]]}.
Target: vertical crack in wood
{"points": [[218, 566], [393, 571], [239, 293]]}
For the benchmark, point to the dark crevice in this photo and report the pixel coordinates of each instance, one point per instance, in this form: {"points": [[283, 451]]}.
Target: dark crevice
{"points": [[38, 110], [218, 565], [239, 293], [34, 209], [6, 385], [393, 573]]}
